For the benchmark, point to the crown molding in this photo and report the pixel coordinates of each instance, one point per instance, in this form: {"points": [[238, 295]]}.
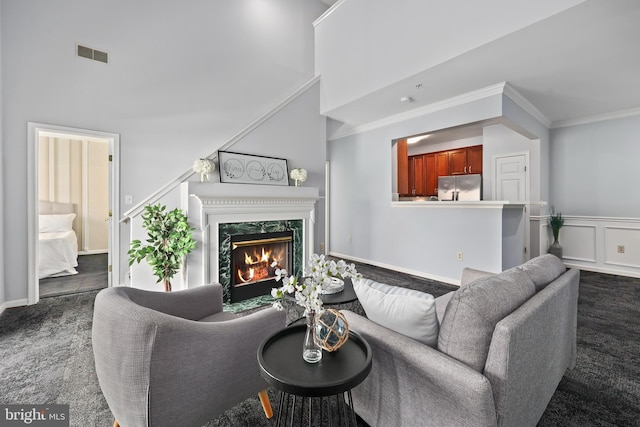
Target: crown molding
{"points": [[597, 118], [525, 104], [455, 101], [328, 12]]}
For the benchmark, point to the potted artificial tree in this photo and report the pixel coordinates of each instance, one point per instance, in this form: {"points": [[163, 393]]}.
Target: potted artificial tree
{"points": [[556, 221], [170, 238]]}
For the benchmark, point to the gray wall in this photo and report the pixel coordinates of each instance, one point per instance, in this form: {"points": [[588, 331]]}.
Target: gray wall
{"points": [[181, 82], [410, 239], [594, 167]]}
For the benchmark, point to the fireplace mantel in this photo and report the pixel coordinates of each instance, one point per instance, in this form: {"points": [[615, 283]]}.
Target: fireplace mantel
{"points": [[209, 204]]}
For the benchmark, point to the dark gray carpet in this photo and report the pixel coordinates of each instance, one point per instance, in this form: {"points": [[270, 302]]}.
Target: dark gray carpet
{"points": [[92, 275], [47, 358]]}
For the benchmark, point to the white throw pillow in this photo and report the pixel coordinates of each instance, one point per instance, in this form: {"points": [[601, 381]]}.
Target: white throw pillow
{"points": [[56, 223], [408, 312]]}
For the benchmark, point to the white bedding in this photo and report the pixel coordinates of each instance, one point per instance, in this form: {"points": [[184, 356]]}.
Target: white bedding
{"points": [[58, 254]]}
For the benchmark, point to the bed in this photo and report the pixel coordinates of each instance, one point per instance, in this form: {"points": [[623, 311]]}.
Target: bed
{"points": [[58, 254]]}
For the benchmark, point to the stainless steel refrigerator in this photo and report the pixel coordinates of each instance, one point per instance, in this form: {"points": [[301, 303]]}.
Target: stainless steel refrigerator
{"points": [[460, 187]]}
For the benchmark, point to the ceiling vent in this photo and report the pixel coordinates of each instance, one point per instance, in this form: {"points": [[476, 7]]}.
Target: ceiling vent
{"points": [[95, 54]]}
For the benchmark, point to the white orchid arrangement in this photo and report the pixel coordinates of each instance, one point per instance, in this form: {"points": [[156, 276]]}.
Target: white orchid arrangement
{"points": [[204, 167], [317, 276]]}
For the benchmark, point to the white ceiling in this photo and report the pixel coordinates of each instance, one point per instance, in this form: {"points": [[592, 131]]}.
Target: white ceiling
{"points": [[577, 64]]}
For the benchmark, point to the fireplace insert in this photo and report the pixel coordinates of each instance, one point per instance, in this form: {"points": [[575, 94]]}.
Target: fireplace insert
{"points": [[254, 260]]}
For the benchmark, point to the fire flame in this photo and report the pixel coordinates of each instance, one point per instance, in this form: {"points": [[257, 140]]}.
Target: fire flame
{"points": [[257, 265]]}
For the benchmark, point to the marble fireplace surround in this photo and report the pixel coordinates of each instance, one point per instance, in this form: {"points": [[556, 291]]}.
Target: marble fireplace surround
{"points": [[209, 204]]}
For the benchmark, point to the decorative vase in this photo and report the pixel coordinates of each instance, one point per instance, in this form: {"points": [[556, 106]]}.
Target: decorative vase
{"points": [[311, 348], [332, 330], [556, 249]]}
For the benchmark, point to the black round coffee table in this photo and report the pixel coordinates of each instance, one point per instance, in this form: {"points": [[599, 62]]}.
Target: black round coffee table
{"points": [[282, 366], [348, 294]]}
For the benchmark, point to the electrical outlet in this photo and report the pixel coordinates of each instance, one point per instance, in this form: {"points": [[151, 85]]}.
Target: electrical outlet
{"points": [[620, 249], [459, 256], [322, 247], [128, 199], [349, 238]]}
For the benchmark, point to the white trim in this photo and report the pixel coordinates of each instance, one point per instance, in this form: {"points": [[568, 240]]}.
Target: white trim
{"points": [[208, 206], [503, 88], [594, 243], [327, 205], [85, 194], [525, 104], [328, 12], [601, 256], [396, 268], [599, 218], [93, 252], [157, 195], [597, 118], [616, 272], [33, 132], [11, 304], [497, 89], [482, 204]]}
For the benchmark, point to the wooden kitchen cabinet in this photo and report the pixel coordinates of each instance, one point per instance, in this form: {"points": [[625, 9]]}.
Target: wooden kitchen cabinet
{"points": [[442, 163], [458, 161], [403, 168], [474, 159], [431, 176], [464, 161], [417, 175]]}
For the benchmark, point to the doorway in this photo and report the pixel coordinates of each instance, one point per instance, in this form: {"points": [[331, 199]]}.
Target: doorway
{"points": [[77, 168]]}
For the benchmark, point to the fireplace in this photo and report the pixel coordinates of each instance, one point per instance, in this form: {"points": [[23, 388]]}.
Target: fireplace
{"points": [[222, 211], [254, 260]]}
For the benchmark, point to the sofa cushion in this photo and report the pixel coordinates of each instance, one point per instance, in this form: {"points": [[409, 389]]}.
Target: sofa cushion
{"points": [[470, 275], [408, 312], [543, 269], [473, 312]]}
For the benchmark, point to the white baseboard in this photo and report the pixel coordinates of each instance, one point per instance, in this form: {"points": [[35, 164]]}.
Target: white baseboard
{"points": [[93, 252], [396, 268], [15, 303], [604, 270]]}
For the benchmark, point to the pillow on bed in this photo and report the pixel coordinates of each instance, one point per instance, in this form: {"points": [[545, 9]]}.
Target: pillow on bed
{"points": [[56, 223]]}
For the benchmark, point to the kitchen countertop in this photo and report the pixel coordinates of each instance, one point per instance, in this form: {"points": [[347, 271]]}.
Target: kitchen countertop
{"points": [[457, 204]]}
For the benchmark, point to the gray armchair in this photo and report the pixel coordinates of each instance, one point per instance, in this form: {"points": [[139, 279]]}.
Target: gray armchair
{"points": [[169, 359]]}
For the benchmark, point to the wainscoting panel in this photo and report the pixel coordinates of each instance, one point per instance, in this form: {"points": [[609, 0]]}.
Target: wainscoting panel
{"points": [[578, 241], [622, 246], [602, 244]]}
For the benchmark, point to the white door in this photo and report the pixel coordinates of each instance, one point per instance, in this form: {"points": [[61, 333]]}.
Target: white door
{"points": [[511, 178]]}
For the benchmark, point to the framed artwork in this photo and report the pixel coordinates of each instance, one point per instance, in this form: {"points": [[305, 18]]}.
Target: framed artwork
{"points": [[249, 169]]}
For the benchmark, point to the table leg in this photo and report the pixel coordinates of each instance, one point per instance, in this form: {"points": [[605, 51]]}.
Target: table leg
{"points": [[293, 411], [353, 411], [281, 409], [266, 405]]}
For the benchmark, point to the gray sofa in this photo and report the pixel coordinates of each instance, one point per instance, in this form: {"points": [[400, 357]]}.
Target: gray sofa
{"points": [[176, 358], [504, 344]]}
